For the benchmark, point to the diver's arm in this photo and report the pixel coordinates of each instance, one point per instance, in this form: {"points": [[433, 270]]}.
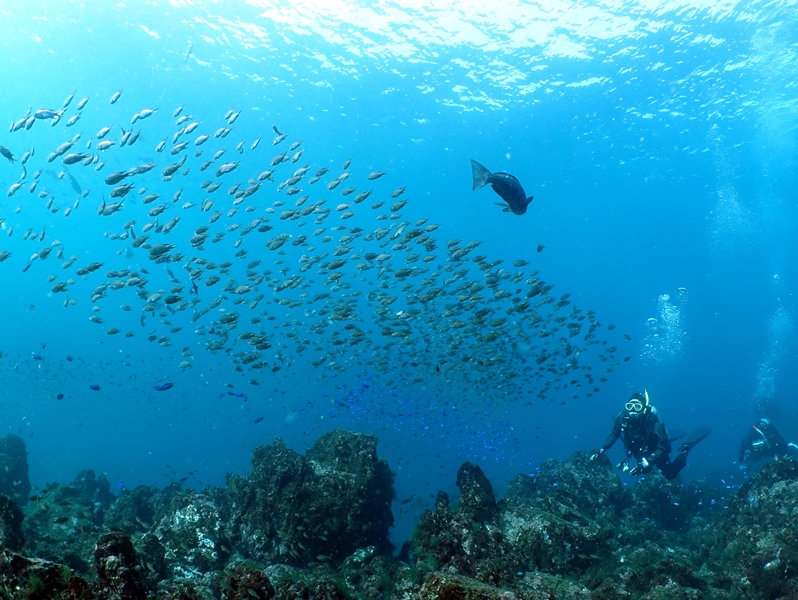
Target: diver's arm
{"points": [[614, 434], [611, 439]]}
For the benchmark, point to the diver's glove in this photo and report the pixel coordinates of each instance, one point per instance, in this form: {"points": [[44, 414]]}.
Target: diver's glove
{"points": [[596, 455], [642, 467]]}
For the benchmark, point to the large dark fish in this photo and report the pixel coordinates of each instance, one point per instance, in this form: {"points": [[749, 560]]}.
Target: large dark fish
{"points": [[504, 184]]}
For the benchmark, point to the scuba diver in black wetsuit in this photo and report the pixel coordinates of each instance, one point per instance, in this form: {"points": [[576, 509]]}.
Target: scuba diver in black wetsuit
{"points": [[646, 439], [764, 441]]}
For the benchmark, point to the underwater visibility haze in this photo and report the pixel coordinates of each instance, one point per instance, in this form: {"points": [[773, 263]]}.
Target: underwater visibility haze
{"points": [[230, 222]]}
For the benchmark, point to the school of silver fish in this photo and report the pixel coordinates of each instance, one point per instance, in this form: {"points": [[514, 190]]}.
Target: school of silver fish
{"points": [[312, 274]]}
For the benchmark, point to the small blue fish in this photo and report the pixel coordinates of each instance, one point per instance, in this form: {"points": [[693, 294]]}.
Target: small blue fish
{"points": [[259, 419], [69, 358], [163, 387], [121, 485], [95, 387], [35, 356], [59, 397]]}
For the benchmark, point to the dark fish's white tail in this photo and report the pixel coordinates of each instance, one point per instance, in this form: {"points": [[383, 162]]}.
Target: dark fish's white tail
{"points": [[480, 175]]}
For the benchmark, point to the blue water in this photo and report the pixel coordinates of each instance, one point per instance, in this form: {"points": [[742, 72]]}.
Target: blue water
{"points": [[659, 144]]}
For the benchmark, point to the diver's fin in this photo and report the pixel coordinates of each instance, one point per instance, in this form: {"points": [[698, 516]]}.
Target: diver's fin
{"points": [[676, 434], [480, 175], [695, 437]]}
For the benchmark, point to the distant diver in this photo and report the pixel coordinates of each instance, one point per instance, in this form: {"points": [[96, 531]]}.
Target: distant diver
{"points": [[507, 186], [645, 438], [764, 441]]}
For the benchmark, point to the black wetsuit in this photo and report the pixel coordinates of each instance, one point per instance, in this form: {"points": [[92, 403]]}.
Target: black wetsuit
{"points": [[646, 437], [762, 441]]}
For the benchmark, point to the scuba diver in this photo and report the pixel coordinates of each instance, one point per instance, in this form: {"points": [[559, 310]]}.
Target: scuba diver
{"points": [[763, 441], [645, 438]]}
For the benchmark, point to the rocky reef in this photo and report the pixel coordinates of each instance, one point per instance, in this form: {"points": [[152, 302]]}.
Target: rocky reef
{"points": [[316, 527], [14, 481]]}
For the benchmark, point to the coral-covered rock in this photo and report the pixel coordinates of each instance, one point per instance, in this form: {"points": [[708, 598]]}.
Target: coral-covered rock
{"points": [[565, 542], [447, 586], [153, 555], [97, 489], [61, 525], [537, 586], [255, 507], [120, 576], [557, 528], [354, 489], [317, 508], [756, 542], [305, 584], [640, 569], [11, 537], [246, 583], [559, 521], [37, 579], [477, 502], [453, 539], [137, 510], [673, 591], [288, 581], [14, 481], [190, 533], [590, 489], [569, 532], [368, 573], [661, 502]]}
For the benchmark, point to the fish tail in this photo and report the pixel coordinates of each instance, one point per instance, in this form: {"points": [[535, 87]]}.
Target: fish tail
{"points": [[480, 175]]}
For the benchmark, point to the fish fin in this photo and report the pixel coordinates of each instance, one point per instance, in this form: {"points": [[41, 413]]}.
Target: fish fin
{"points": [[479, 174], [529, 200]]}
